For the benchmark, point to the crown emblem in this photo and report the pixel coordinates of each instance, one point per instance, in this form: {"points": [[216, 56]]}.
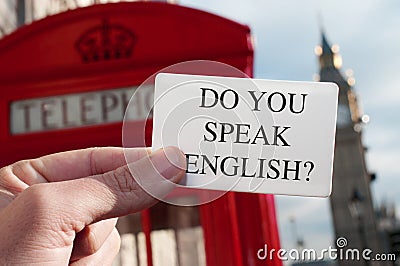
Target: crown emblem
{"points": [[105, 42]]}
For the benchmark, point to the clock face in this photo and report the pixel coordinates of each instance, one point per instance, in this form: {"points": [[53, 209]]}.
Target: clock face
{"points": [[343, 116]]}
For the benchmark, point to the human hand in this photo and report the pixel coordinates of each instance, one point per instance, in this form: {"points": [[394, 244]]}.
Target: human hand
{"points": [[60, 209]]}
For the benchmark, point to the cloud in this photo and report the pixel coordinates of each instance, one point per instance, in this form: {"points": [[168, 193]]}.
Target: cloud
{"points": [[313, 221]]}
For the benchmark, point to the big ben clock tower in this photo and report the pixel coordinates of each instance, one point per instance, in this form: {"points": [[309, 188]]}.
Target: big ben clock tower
{"points": [[351, 202]]}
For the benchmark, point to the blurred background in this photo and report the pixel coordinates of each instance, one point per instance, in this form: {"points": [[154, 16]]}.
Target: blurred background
{"points": [[352, 43]]}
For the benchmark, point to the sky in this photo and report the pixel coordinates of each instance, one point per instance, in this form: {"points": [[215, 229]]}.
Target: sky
{"points": [[368, 33]]}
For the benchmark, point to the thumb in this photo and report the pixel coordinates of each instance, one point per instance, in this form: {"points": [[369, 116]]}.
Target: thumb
{"points": [[80, 202], [125, 190]]}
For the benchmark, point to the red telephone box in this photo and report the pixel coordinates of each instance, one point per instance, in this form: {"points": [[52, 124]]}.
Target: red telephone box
{"points": [[67, 79]]}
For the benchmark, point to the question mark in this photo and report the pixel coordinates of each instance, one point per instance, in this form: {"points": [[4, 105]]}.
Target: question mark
{"points": [[311, 168]]}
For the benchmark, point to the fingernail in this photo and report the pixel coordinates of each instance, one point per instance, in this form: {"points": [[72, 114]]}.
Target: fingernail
{"points": [[170, 162]]}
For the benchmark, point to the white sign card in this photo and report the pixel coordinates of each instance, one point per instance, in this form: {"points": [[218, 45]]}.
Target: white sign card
{"points": [[249, 135]]}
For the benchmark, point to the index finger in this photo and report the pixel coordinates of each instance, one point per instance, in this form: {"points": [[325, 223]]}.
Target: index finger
{"points": [[80, 163]]}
